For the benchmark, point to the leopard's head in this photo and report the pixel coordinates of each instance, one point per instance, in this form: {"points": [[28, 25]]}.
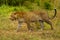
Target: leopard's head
{"points": [[13, 16]]}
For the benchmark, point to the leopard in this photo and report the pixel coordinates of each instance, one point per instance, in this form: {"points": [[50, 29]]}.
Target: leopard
{"points": [[28, 17]]}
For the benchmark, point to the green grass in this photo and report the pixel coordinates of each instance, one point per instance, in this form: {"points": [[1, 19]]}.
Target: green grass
{"points": [[8, 28]]}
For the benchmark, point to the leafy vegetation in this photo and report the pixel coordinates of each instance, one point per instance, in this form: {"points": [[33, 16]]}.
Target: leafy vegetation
{"points": [[28, 3]]}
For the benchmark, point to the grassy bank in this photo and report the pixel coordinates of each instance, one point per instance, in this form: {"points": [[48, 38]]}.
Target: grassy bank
{"points": [[8, 28]]}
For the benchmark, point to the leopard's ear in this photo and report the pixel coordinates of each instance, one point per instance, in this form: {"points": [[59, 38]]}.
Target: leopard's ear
{"points": [[15, 13]]}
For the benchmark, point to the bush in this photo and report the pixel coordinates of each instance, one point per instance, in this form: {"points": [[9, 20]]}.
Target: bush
{"points": [[47, 5]]}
